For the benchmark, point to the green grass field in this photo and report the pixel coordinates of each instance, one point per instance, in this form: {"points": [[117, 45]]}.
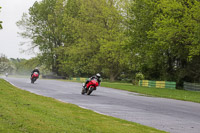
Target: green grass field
{"points": [[22, 111], [157, 92]]}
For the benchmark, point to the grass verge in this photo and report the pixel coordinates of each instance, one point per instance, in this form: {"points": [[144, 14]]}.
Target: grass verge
{"points": [[157, 92], [22, 111]]}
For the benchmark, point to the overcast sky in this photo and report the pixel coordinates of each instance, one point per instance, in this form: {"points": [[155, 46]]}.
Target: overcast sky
{"points": [[11, 12]]}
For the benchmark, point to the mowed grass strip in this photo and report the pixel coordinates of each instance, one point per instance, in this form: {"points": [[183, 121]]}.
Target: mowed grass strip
{"points": [[22, 111], [157, 92]]}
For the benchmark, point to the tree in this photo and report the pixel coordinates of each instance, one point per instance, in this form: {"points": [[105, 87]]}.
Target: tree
{"points": [[166, 35], [98, 38], [24, 66], [141, 16], [5, 65], [43, 26], [0, 23], [175, 33]]}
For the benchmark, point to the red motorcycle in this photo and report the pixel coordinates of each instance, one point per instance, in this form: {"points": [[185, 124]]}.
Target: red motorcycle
{"points": [[90, 87], [34, 77]]}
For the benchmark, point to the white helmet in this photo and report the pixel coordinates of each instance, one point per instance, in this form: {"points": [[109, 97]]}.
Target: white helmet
{"points": [[98, 75]]}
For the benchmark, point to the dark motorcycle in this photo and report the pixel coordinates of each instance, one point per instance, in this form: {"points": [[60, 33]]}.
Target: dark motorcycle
{"points": [[90, 87], [34, 77]]}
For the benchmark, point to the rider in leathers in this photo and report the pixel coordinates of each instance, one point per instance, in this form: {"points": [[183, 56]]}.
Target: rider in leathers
{"points": [[97, 76], [35, 70]]}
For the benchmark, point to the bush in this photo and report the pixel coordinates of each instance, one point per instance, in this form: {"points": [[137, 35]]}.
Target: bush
{"points": [[138, 76]]}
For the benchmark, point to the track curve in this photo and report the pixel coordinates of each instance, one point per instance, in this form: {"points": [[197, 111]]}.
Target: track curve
{"points": [[165, 114]]}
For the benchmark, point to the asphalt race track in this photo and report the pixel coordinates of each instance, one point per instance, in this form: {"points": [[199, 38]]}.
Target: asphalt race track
{"points": [[165, 114]]}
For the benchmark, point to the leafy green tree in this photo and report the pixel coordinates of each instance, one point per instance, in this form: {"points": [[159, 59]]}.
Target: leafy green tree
{"points": [[141, 16], [165, 34], [112, 56], [5, 65], [98, 38], [176, 35], [43, 26], [0, 23], [192, 20]]}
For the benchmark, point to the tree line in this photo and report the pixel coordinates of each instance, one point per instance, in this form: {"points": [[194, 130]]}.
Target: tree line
{"points": [[0, 22], [18, 66], [117, 38]]}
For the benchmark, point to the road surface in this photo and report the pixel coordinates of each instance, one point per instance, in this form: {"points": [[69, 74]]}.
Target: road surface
{"points": [[165, 114]]}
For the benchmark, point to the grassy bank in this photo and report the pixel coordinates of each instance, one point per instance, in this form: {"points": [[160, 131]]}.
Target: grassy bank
{"points": [[158, 92], [22, 111]]}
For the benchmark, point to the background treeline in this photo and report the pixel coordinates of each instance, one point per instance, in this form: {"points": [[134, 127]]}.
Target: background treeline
{"points": [[17, 66], [117, 38], [0, 21]]}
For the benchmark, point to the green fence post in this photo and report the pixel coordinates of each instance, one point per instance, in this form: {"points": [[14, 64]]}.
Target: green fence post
{"points": [[140, 82]]}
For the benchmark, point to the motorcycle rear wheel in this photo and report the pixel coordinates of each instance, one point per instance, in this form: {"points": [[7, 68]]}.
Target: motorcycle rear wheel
{"points": [[90, 90]]}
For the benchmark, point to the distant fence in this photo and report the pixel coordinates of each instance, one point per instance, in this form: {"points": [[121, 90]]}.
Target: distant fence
{"points": [[157, 84], [191, 86], [78, 79]]}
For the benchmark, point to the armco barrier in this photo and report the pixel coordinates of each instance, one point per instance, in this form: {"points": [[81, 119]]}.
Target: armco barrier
{"points": [[191, 86], [79, 79], [157, 84]]}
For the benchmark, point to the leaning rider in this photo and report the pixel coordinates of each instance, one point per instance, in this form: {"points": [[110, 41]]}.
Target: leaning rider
{"points": [[35, 70], [97, 76]]}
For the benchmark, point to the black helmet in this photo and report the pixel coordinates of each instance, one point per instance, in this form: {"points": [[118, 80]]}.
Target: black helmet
{"points": [[98, 75]]}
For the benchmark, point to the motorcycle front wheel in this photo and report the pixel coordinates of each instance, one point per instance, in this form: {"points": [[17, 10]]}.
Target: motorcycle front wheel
{"points": [[83, 91], [33, 80]]}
